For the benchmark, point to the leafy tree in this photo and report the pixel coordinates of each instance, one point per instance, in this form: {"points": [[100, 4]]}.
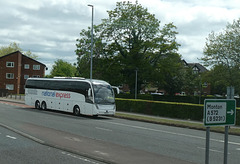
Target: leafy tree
{"points": [[218, 77], [223, 49], [4, 50], [104, 65], [62, 69], [130, 39], [169, 73], [31, 55], [192, 81]]}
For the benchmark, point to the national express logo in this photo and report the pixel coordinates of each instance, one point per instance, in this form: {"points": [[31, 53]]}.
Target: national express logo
{"points": [[56, 94]]}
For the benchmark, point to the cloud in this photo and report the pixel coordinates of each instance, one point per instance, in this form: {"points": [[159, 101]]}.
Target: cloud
{"points": [[194, 21], [49, 28]]}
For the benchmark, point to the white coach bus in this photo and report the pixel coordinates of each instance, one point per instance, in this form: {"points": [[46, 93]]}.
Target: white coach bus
{"points": [[75, 95]]}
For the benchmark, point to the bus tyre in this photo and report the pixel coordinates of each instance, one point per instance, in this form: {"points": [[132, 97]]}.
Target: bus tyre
{"points": [[76, 110], [37, 104], [44, 105]]}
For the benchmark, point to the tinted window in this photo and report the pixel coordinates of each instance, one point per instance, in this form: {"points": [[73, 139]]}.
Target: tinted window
{"points": [[40, 84], [73, 86]]}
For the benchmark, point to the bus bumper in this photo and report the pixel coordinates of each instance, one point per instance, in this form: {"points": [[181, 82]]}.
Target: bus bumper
{"points": [[106, 109]]}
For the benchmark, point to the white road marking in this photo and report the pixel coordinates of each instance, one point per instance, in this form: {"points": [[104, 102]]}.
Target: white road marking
{"points": [[213, 150], [238, 149], [101, 153], [11, 137], [168, 132], [22, 133], [78, 157], [109, 130], [73, 139]]}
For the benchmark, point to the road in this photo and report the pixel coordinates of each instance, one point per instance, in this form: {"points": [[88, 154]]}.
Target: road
{"points": [[15, 148], [117, 140]]}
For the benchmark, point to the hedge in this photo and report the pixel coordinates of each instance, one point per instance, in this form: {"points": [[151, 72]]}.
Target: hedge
{"points": [[185, 111], [169, 98]]}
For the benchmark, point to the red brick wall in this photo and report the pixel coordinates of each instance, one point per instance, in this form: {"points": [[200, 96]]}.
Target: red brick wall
{"points": [[30, 72], [4, 70], [18, 70]]}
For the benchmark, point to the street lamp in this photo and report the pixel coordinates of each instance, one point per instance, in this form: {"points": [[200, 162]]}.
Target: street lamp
{"points": [[136, 83], [91, 44]]}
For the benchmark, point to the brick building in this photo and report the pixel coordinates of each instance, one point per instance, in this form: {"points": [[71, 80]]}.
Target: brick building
{"points": [[15, 68]]}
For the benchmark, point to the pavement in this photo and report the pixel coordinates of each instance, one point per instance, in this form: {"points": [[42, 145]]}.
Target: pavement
{"points": [[13, 99], [96, 149]]}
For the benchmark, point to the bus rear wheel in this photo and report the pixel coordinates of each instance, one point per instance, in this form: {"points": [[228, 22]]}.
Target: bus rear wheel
{"points": [[76, 110], [44, 105], [37, 104]]}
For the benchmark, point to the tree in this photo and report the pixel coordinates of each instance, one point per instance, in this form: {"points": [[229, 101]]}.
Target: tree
{"points": [[4, 50], [223, 49], [130, 39], [104, 65], [218, 77], [192, 81], [13, 47], [63, 69]]}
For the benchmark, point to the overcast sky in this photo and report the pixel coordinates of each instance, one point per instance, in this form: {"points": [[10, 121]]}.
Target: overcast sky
{"points": [[49, 28]]}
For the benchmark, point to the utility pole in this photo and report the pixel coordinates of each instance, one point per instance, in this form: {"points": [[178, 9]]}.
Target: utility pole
{"points": [[91, 44], [136, 84]]}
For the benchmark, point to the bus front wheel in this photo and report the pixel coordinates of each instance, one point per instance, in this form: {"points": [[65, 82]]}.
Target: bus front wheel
{"points": [[37, 104], [76, 110]]}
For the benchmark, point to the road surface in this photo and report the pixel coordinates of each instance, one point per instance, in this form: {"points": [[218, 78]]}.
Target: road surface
{"points": [[117, 140], [15, 148]]}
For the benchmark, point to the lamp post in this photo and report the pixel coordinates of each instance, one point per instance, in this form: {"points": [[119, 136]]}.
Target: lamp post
{"points": [[91, 44], [136, 83]]}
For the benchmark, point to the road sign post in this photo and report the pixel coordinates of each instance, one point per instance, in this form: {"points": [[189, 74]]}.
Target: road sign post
{"points": [[207, 145], [218, 112], [230, 95]]}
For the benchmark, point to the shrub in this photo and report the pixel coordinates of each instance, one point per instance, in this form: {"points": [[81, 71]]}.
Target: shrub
{"points": [[164, 109]]}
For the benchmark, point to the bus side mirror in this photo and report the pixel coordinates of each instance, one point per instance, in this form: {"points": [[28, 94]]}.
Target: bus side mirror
{"points": [[117, 89]]}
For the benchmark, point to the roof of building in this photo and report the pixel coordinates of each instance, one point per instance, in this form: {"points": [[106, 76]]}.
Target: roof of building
{"points": [[24, 56], [200, 67]]}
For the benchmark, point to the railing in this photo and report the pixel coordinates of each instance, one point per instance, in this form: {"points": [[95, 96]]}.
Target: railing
{"points": [[13, 96]]}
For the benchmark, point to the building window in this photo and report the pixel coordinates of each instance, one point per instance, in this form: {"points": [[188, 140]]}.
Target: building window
{"points": [[10, 64], [26, 76], [9, 76], [36, 67], [36, 76], [26, 66], [10, 87], [195, 70]]}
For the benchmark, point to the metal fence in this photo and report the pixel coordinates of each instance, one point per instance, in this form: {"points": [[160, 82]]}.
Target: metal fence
{"points": [[12, 96]]}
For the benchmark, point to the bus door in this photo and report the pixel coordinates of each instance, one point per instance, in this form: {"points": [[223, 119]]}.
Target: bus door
{"points": [[88, 107]]}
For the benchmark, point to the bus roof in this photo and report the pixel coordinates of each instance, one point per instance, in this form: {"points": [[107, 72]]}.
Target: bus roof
{"points": [[93, 81]]}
